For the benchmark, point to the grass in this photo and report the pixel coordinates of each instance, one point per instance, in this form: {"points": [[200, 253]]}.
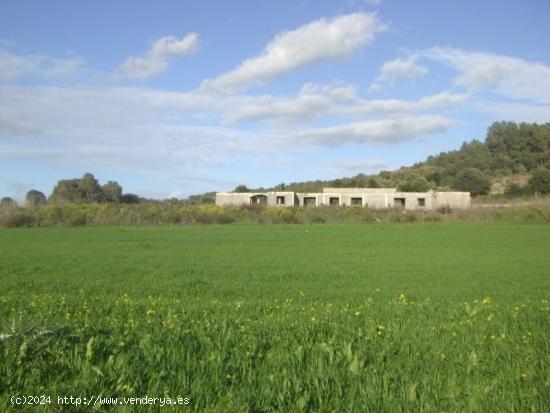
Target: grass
{"points": [[147, 214], [384, 317]]}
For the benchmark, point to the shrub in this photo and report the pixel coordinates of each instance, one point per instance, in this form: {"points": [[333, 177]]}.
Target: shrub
{"points": [[144, 214], [410, 217], [281, 216], [444, 210], [514, 190], [473, 181], [19, 219], [540, 181]]}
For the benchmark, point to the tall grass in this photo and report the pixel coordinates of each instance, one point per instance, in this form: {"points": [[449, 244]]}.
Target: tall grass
{"points": [[167, 214], [292, 355]]}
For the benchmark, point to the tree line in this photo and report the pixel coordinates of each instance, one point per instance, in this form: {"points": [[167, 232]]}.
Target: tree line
{"points": [[85, 190]]}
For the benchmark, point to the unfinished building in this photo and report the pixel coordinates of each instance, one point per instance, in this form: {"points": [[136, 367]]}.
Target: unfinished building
{"points": [[377, 198]]}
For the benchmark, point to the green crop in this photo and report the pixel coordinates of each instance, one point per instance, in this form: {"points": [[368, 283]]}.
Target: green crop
{"points": [[248, 318]]}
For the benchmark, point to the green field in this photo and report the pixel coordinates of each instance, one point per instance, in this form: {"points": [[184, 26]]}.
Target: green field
{"points": [[383, 318]]}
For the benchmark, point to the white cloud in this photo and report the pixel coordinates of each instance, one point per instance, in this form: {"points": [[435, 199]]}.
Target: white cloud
{"points": [[156, 60], [441, 101], [171, 46], [311, 103], [338, 99], [365, 166], [117, 127], [386, 131], [65, 67], [320, 40], [16, 66], [395, 70], [509, 76], [514, 111]]}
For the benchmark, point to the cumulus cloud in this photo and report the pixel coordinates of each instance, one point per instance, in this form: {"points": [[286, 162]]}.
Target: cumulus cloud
{"points": [[338, 99], [319, 40], [396, 70], [385, 131], [156, 60], [509, 76], [311, 103], [441, 101]]}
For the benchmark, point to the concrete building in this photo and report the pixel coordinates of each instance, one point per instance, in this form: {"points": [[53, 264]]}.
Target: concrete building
{"points": [[377, 198]]}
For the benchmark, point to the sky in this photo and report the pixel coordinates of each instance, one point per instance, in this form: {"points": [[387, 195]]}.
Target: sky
{"points": [[174, 98]]}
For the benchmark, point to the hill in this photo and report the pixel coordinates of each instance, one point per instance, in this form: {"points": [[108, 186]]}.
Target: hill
{"points": [[505, 161]]}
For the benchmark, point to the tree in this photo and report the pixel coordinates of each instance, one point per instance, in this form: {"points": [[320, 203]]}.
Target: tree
{"points": [[35, 197], [415, 184], [473, 181], [540, 181], [67, 191], [373, 183], [112, 192], [77, 191], [206, 198], [91, 190], [7, 203], [241, 188], [129, 199]]}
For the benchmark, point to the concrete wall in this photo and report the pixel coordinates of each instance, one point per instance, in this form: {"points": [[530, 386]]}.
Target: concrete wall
{"points": [[301, 195], [325, 198], [368, 191], [232, 198], [378, 198], [454, 200], [370, 197], [413, 200], [380, 201], [244, 198], [287, 196]]}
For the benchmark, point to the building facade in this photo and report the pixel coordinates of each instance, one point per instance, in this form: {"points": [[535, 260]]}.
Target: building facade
{"points": [[378, 198]]}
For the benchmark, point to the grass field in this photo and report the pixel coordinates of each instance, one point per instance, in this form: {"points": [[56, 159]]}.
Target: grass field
{"points": [[383, 318]]}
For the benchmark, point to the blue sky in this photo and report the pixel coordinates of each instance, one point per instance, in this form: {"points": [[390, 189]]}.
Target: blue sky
{"points": [[174, 98]]}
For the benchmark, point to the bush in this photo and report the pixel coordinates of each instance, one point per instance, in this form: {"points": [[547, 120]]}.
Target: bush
{"points": [[473, 181], [19, 219], [515, 190], [281, 216], [540, 181]]}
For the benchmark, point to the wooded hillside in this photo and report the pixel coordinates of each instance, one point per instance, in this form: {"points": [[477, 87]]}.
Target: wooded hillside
{"points": [[509, 149]]}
